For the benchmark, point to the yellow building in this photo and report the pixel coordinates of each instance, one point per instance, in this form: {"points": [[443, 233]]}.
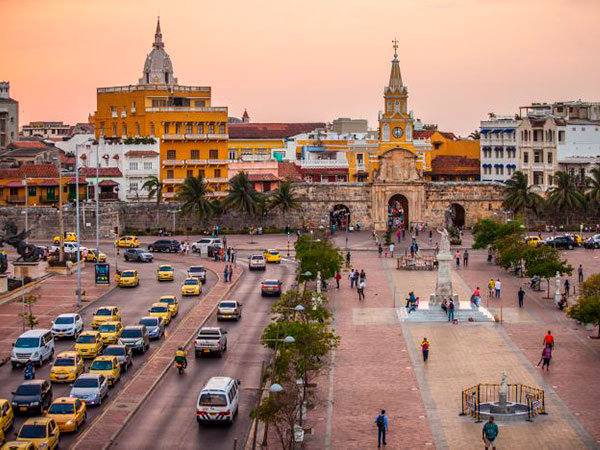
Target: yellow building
{"points": [[193, 134]]}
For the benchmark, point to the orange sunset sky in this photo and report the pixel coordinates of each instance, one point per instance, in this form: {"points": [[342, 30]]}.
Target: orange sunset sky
{"points": [[309, 60]]}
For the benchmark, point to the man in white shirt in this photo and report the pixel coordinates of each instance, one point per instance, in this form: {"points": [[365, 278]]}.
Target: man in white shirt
{"points": [[498, 286]]}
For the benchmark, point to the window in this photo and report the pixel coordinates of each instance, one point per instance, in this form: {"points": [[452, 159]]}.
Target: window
{"points": [[171, 154], [167, 126], [213, 154], [147, 165], [526, 157], [217, 173], [201, 173], [133, 165], [538, 178], [189, 173], [561, 136], [188, 128], [549, 159], [550, 180], [102, 129], [200, 129], [397, 106], [124, 129], [389, 105], [31, 191], [211, 129], [221, 129], [151, 128], [169, 173], [538, 157], [199, 103], [114, 129], [232, 154], [133, 186], [195, 154], [177, 127]]}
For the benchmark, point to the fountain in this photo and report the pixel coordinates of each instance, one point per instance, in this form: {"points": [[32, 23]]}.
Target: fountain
{"points": [[518, 406]]}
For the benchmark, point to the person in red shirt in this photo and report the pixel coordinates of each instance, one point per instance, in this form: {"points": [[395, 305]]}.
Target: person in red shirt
{"points": [[549, 339], [337, 279]]}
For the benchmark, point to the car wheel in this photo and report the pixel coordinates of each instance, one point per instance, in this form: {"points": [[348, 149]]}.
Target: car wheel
{"points": [[14, 365], [570, 247]]}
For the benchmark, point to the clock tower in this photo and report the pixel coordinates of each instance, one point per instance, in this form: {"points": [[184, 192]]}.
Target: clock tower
{"points": [[395, 123]]}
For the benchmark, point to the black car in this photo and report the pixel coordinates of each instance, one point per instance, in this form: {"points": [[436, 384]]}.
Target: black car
{"points": [[197, 272], [270, 287], [137, 254], [164, 245], [562, 242], [32, 396]]}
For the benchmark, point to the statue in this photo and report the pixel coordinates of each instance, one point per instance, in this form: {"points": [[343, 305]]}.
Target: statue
{"points": [[27, 252], [445, 242], [449, 217], [557, 289], [503, 393]]}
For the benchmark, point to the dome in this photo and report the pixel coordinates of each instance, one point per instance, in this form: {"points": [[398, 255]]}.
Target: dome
{"points": [[158, 68]]}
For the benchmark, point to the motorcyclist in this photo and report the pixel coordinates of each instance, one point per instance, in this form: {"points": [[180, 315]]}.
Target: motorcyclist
{"points": [[180, 356], [29, 371]]}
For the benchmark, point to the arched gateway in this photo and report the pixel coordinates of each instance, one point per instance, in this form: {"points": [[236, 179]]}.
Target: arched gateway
{"points": [[398, 212]]}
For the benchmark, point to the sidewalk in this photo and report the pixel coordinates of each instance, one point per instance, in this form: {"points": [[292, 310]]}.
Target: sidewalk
{"points": [[56, 295]]}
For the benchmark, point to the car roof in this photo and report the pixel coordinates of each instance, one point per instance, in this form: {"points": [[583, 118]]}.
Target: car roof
{"points": [[67, 315], [111, 322], [228, 300], [165, 265], [272, 250], [88, 333], [270, 281], [134, 327], [196, 267], [191, 278], [158, 304], [167, 296], [64, 400], [34, 333], [150, 318], [38, 421], [104, 357], [89, 375], [68, 354], [217, 384], [209, 329], [108, 306], [31, 382]]}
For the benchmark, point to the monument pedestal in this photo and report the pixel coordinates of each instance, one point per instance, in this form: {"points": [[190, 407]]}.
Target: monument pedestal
{"points": [[437, 299], [33, 270], [3, 283], [443, 285]]}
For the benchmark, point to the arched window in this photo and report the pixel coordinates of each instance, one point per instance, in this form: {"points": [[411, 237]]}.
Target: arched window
{"points": [[408, 132], [385, 132], [397, 106]]}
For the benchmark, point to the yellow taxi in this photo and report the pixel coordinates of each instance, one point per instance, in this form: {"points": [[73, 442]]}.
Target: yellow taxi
{"points": [[173, 303], [161, 310], [89, 344], [68, 413], [128, 241], [110, 332], [105, 314], [41, 431], [69, 237], [272, 256], [66, 367], [18, 445], [191, 286], [129, 278], [95, 255], [533, 241], [166, 272], [108, 366], [7, 416]]}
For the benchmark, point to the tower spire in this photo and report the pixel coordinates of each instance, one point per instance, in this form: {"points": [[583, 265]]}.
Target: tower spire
{"points": [[395, 75], [158, 43]]}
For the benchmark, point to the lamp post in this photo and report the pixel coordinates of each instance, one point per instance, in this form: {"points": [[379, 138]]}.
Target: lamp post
{"points": [[97, 195], [61, 222], [78, 228]]}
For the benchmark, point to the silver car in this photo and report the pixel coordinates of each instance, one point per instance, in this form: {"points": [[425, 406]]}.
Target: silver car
{"points": [[155, 326], [91, 388], [123, 353], [257, 262]]}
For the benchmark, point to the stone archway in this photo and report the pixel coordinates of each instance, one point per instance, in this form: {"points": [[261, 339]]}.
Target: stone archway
{"points": [[398, 212], [458, 215], [339, 216]]}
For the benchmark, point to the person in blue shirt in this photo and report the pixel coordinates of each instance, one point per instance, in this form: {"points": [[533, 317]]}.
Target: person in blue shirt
{"points": [[382, 425], [489, 434]]}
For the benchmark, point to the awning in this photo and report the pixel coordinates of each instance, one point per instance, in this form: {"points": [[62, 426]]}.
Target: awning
{"points": [[81, 181], [15, 184], [509, 130], [309, 148], [484, 131], [108, 183]]}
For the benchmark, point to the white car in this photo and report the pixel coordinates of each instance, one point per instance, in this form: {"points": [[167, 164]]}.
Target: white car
{"points": [[91, 388], [257, 262], [68, 247], [203, 244], [67, 325]]}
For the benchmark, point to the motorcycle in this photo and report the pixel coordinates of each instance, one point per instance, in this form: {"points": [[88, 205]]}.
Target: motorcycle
{"points": [[180, 366], [29, 372]]}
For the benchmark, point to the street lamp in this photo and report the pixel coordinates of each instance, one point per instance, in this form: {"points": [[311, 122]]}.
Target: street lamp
{"points": [[78, 230], [276, 388]]}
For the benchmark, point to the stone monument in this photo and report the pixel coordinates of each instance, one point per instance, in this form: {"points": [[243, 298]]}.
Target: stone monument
{"points": [[443, 285], [557, 288]]}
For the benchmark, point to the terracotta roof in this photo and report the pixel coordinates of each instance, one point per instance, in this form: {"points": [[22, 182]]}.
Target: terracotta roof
{"points": [[262, 177], [108, 183], [325, 171], [14, 184], [450, 164], [82, 180], [270, 130], [289, 171], [28, 144], [426, 134], [102, 172], [39, 170], [141, 153], [49, 183]]}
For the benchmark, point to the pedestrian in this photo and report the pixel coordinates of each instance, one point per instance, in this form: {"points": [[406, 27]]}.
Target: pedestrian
{"points": [[187, 248], [580, 273], [225, 241], [498, 287], [430, 238], [379, 249], [386, 251], [230, 274], [546, 357], [382, 425], [363, 275], [425, 349], [392, 248], [437, 248], [466, 258], [489, 434], [489, 257], [347, 259], [567, 287], [549, 339], [225, 273], [399, 235], [411, 299], [337, 279], [228, 257], [457, 257], [491, 287], [233, 255], [352, 277], [361, 290], [521, 295], [451, 311]]}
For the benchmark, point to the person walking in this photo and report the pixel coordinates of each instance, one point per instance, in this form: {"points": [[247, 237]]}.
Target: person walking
{"points": [[363, 275], [352, 277], [233, 255], [567, 288], [466, 258], [361, 290], [580, 273], [392, 247], [546, 357], [379, 249], [498, 287], [230, 274], [430, 238], [347, 259], [521, 295], [457, 258], [382, 425], [549, 339], [425, 349], [491, 287], [451, 311], [225, 273], [337, 279], [489, 434]]}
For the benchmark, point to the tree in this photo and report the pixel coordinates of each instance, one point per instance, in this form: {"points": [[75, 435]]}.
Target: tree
{"points": [[587, 309], [28, 317], [545, 262], [593, 187], [283, 198], [489, 232], [193, 194], [242, 197], [155, 190], [317, 255], [475, 135], [565, 196], [519, 196]]}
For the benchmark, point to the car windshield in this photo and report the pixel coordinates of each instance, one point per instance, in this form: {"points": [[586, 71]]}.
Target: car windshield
{"points": [[227, 305], [270, 283], [102, 365], [104, 312], [159, 309], [64, 320], [273, 252], [128, 273], [32, 432], [27, 342], [28, 389], [61, 408], [165, 269], [149, 322], [64, 362], [114, 351], [257, 258], [213, 400], [105, 328], [86, 383], [190, 282], [196, 269], [131, 334], [168, 300], [86, 339]]}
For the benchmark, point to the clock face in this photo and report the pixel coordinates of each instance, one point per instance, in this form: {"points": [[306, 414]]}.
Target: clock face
{"points": [[397, 132]]}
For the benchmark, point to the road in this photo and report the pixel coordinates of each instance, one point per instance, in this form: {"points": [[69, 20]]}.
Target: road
{"points": [[167, 418], [134, 303]]}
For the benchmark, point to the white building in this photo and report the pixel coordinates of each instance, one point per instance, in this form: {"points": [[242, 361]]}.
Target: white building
{"points": [[579, 167], [500, 157], [47, 130], [581, 138]]}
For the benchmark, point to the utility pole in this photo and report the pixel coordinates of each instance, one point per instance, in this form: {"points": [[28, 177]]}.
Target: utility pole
{"points": [[97, 194], [61, 222], [26, 205], [78, 231]]}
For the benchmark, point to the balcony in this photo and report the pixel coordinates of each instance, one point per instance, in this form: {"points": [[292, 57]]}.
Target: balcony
{"points": [[16, 199], [46, 199], [360, 167], [196, 137], [217, 180], [109, 196], [187, 109], [173, 137], [133, 110], [218, 136], [256, 157], [324, 163], [173, 180], [173, 162]]}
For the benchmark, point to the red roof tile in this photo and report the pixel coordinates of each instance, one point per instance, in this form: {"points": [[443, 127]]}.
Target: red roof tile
{"points": [[102, 172], [262, 177], [39, 170], [426, 134], [270, 130], [141, 153], [49, 183], [289, 171], [28, 144], [108, 183]]}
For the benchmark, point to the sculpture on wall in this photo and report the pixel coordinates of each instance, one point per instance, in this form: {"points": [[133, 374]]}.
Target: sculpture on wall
{"points": [[11, 236]]}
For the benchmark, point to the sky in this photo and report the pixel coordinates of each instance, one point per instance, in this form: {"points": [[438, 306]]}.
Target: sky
{"points": [[309, 60]]}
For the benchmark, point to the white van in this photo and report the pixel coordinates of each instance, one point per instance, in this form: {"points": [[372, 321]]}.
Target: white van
{"points": [[218, 401], [34, 345], [201, 246]]}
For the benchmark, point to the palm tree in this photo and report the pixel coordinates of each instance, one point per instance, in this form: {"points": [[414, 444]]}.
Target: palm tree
{"points": [[593, 187], [193, 194], [519, 196], [566, 196], [155, 189], [283, 198], [475, 135], [242, 197]]}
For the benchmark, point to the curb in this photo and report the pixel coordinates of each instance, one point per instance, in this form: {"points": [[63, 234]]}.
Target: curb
{"points": [[23, 289]]}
